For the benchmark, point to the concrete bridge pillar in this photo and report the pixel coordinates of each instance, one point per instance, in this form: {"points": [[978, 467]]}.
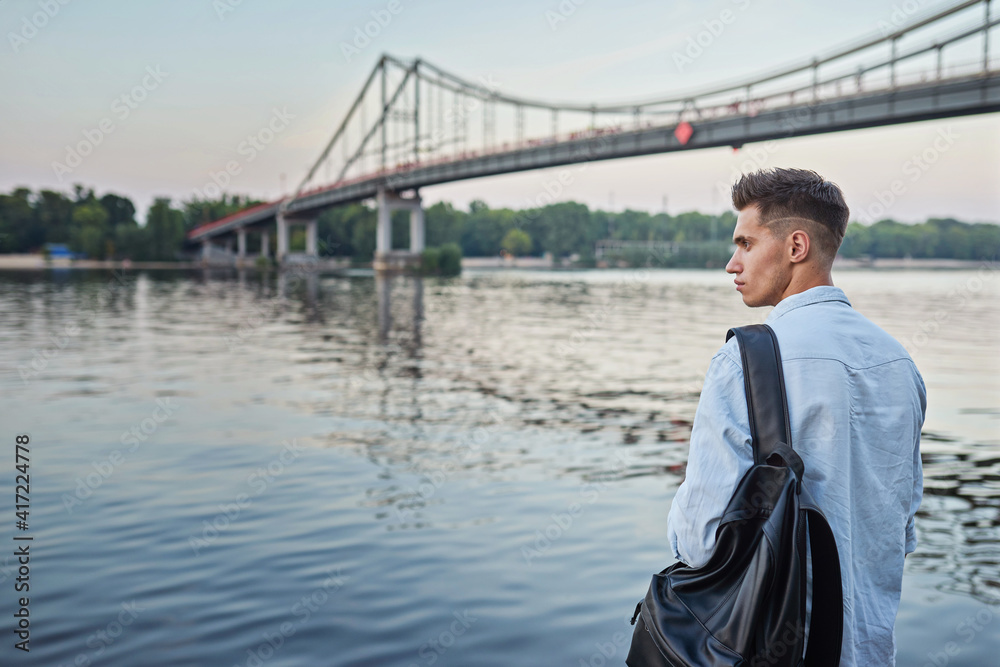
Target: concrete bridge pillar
{"points": [[282, 249], [417, 228], [383, 233], [265, 244], [385, 257], [311, 238]]}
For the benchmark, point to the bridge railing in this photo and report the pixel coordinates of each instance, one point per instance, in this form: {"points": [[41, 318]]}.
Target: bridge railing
{"points": [[424, 113]]}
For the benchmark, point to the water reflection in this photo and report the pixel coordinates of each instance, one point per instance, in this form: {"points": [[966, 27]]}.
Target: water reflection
{"points": [[959, 520]]}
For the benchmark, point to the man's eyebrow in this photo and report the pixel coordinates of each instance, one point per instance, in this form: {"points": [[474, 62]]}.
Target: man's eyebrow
{"points": [[740, 239]]}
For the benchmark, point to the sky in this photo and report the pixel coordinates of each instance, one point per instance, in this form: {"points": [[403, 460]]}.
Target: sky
{"points": [[211, 72]]}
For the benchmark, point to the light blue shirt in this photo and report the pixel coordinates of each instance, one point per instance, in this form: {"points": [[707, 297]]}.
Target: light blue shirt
{"points": [[856, 403]]}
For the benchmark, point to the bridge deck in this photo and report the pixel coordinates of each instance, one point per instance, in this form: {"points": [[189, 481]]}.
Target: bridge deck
{"points": [[925, 101]]}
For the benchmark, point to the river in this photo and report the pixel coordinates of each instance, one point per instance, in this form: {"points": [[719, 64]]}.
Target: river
{"points": [[237, 469]]}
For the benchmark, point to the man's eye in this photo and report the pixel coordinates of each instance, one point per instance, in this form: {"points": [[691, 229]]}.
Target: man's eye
{"points": [[746, 245]]}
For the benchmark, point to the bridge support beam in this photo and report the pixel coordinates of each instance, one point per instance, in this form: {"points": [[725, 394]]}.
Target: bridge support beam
{"points": [[387, 259]]}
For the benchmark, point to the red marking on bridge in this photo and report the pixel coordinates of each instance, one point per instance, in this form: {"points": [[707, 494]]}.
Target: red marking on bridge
{"points": [[683, 132]]}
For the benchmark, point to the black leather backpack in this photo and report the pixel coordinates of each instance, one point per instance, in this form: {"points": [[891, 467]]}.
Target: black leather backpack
{"points": [[747, 604]]}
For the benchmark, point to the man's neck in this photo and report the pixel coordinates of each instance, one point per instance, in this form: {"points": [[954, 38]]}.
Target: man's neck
{"points": [[805, 281]]}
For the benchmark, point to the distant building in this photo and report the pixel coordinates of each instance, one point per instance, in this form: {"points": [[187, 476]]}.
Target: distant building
{"points": [[61, 251]]}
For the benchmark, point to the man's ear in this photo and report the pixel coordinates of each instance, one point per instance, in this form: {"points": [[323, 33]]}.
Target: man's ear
{"points": [[798, 246]]}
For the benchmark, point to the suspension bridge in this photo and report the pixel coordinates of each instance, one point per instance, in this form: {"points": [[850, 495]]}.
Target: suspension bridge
{"points": [[414, 125]]}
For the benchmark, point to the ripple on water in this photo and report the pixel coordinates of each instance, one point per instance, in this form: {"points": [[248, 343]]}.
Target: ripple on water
{"points": [[496, 451]]}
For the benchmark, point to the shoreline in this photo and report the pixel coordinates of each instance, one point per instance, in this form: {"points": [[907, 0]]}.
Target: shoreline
{"points": [[38, 263]]}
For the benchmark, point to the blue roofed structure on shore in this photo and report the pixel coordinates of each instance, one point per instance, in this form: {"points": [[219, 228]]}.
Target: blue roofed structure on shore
{"points": [[62, 251]]}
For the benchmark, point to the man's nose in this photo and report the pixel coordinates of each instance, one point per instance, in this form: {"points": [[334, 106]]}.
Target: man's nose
{"points": [[733, 266]]}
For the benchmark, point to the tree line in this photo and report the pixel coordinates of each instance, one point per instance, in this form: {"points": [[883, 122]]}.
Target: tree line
{"points": [[106, 228]]}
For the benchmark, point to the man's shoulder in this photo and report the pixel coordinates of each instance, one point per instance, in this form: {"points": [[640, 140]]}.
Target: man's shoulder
{"points": [[839, 332], [729, 353]]}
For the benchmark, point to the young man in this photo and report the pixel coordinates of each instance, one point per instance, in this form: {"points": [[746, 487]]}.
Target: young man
{"points": [[856, 404]]}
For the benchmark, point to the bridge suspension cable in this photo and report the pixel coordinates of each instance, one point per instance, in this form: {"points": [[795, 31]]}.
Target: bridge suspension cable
{"points": [[428, 115]]}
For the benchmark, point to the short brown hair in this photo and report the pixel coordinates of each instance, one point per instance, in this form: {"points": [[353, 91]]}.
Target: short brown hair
{"points": [[787, 196]]}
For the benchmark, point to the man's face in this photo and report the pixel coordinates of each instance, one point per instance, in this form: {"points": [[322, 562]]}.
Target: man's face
{"points": [[760, 261]]}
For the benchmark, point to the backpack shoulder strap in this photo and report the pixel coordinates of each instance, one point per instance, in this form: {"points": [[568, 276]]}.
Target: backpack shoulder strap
{"points": [[771, 433], [826, 627], [764, 382]]}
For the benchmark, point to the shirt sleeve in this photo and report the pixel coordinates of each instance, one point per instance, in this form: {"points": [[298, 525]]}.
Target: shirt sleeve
{"points": [[720, 454], [918, 472]]}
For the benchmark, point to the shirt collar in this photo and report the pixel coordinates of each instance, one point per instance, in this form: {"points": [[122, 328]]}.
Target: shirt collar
{"points": [[806, 298]]}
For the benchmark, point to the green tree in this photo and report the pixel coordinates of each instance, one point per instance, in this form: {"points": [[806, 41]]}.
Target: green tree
{"points": [[400, 223], [857, 241], [562, 229], [120, 210], [132, 242], [430, 261], [485, 229], [90, 233], [18, 229], [516, 242], [54, 213], [106, 227], [335, 229], [363, 238], [164, 230], [123, 226], [450, 259], [443, 223], [984, 241]]}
